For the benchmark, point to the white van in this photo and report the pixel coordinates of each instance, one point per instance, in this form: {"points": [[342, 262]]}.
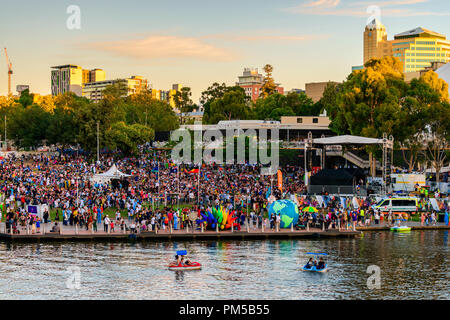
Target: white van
{"points": [[397, 204]]}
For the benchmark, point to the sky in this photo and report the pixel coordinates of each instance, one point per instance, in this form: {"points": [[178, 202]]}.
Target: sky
{"points": [[199, 42]]}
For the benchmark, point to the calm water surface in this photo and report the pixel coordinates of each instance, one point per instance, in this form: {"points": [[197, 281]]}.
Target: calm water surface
{"points": [[413, 266]]}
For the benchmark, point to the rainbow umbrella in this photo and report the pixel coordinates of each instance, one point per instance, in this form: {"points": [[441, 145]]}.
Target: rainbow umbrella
{"points": [[309, 209]]}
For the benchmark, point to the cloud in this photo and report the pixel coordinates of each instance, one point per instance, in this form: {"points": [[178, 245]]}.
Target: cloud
{"points": [[395, 8], [323, 3], [163, 47], [258, 37]]}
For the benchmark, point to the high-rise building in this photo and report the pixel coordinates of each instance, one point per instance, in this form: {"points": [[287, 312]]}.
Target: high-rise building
{"points": [[67, 78], [251, 81], [94, 90], [315, 90], [97, 75], [294, 90], [416, 49], [376, 44], [73, 78], [156, 94]]}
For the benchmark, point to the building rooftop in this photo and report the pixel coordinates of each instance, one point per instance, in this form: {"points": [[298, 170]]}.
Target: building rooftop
{"points": [[375, 24], [417, 32], [67, 66]]}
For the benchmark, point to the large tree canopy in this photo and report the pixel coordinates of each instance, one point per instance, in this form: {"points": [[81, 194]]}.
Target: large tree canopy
{"points": [[68, 120], [277, 105], [377, 100], [232, 105]]}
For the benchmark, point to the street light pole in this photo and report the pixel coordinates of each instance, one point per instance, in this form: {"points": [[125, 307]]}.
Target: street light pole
{"points": [[98, 141], [6, 143]]}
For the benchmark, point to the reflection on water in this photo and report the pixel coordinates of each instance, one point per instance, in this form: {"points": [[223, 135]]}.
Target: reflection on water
{"points": [[413, 266]]}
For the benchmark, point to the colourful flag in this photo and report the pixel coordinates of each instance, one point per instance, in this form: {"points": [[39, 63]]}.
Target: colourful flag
{"points": [[280, 180], [268, 193]]}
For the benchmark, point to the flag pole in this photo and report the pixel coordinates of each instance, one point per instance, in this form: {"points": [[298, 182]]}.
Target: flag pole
{"points": [[198, 185], [178, 198], [159, 186]]}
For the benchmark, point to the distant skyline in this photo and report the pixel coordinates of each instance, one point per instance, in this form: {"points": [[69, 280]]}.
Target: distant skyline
{"points": [[199, 42]]}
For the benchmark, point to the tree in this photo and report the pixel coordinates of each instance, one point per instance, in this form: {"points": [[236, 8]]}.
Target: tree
{"points": [[278, 105], [272, 107], [302, 105], [413, 120], [26, 99], [126, 138], [62, 128], [183, 102], [214, 92], [46, 102], [232, 106], [414, 113], [368, 102], [117, 90], [28, 126], [437, 136], [269, 87], [438, 85], [153, 113]]}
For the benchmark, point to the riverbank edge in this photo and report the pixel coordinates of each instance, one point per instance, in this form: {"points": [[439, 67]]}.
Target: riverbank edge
{"points": [[386, 228], [237, 235], [151, 236]]}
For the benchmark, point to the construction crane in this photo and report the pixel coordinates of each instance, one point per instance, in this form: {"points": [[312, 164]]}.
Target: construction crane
{"points": [[10, 72]]}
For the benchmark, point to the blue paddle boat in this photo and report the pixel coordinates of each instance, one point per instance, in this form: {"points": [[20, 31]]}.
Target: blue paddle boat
{"points": [[316, 268]]}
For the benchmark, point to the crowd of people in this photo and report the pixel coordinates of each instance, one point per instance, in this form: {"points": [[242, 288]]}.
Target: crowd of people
{"points": [[151, 197], [62, 185]]}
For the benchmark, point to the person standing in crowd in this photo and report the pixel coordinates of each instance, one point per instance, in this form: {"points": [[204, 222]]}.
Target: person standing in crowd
{"points": [[106, 222], [377, 217]]}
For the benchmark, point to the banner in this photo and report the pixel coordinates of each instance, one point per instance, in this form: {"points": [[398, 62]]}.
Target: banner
{"points": [[280, 180]]}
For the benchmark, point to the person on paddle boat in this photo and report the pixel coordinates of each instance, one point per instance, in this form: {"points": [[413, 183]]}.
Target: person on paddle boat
{"points": [[187, 261], [309, 264], [321, 264], [178, 260]]}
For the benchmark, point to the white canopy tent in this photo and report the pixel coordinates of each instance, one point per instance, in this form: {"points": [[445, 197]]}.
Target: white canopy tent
{"points": [[340, 140], [387, 145], [112, 173]]}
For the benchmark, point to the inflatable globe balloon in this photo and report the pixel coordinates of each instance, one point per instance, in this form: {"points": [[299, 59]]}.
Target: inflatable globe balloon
{"points": [[287, 210]]}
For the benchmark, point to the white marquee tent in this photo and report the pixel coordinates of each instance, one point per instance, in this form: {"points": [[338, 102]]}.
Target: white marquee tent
{"points": [[339, 140], [109, 175]]}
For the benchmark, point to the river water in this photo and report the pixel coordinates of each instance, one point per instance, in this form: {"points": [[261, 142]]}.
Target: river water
{"points": [[412, 266]]}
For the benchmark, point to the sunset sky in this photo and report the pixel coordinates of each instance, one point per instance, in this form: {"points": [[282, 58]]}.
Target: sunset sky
{"points": [[199, 42]]}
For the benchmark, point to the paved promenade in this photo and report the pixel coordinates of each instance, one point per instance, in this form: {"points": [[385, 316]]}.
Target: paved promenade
{"points": [[72, 233]]}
